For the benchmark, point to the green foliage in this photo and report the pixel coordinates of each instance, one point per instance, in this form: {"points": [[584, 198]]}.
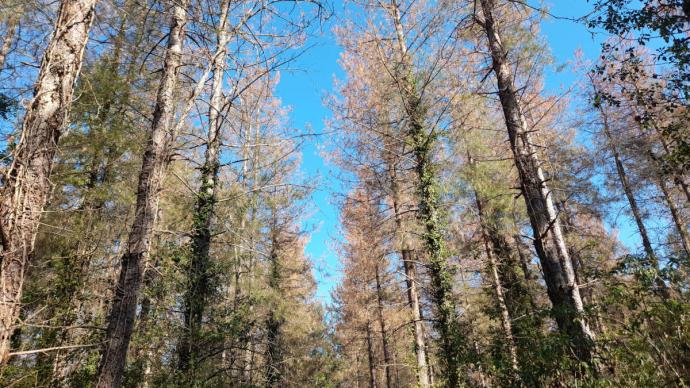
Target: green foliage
{"points": [[7, 106], [646, 337], [661, 26], [650, 21]]}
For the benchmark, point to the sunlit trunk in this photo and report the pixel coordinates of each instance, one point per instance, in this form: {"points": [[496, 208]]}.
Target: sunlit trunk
{"points": [[26, 183], [198, 277], [155, 161], [559, 275]]}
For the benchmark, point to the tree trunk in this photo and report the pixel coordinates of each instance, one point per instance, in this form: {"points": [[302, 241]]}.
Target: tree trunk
{"points": [[422, 369], [441, 277], [370, 353], [12, 26], [498, 287], [581, 273], [26, 184], [198, 277], [578, 266], [559, 275], [676, 175], [274, 322], [677, 218], [623, 178], [634, 208], [357, 368], [144, 321], [155, 161], [384, 333], [413, 300], [520, 247], [429, 213]]}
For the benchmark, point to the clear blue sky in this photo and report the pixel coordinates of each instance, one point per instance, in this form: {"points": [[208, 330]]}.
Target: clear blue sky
{"points": [[304, 89]]}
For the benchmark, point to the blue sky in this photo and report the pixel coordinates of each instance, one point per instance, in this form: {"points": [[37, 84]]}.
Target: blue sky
{"points": [[304, 89]]}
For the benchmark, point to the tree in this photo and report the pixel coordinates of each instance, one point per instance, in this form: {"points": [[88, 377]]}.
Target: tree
{"points": [[404, 79], [26, 183], [663, 26], [548, 238], [155, 161], [199, 286]]}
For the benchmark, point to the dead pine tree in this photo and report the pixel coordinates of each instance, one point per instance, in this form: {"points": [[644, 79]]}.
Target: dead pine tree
{"points": [[406, 255], [422, 141]]}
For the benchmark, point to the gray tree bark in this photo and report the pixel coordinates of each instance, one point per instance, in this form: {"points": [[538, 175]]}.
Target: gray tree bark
{"points": [[370, 354], [429, 213], [26, 183], [559, 275], [422, 370], [198, 276], [506, 324], [382, 325], [155, 161], [12, 26]]}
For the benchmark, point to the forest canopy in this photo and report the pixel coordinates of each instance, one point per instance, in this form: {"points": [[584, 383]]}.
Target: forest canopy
{"points": [[158, 195]]}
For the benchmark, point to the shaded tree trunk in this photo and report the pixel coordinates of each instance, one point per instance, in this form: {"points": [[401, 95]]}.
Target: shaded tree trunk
{"points": [[429, 213], [632, 201], [26, 184], [506, 324], [155, 161], [384, 332], [422, 370], [370, 354], [559, 275], [413, 300], [144, 355], [274, 322], [581, 273], [198, 272], [12, 27], [520, 247], [578, 265]]}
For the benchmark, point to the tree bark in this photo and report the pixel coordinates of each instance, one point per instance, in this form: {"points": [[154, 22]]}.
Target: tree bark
{"points": [[559, 275], [676, 175], [422, 370], [198, 277], [498, 288], [677, 218], [370, 354], [623, 178], [274, 322], [382, 325], [578, 266], [26, 184], [520, 247], [634, 208], [12, 26], [155, 161], [429, 213]]}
